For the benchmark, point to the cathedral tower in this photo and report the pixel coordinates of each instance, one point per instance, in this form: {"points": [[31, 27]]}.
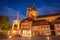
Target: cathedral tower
{"points": [[16, 25], [34, 11], [28, 15]]}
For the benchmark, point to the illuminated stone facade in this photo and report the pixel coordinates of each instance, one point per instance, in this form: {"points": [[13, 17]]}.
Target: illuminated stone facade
{"points": [[34, 25], [40, 25], [57, 26], [16, 25]]}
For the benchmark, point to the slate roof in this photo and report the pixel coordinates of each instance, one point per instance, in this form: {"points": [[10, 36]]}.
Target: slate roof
{"points": [[57, 21], [54, 14], [40, 22]]}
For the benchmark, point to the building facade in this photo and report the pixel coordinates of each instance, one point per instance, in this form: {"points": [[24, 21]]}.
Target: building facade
{"points": [[34, 25], [16, 26], [57, 26]]}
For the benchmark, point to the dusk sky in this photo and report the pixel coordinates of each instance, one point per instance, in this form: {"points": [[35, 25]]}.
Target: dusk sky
{"points": [[11, 8]]}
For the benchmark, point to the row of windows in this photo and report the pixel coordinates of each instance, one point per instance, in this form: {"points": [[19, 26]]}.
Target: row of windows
{"points": [[44, 26], [57, 20], [27, 23], [57, 26], [37, 23], [58, 31]]}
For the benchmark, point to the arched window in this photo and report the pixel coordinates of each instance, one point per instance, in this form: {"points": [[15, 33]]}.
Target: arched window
{"points": [[15, 27]]}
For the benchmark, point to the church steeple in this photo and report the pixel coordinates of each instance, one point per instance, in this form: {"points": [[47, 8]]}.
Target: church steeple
{"points": [[28, 12], [31, 13], [34, 11], [16, 24], [34, 7], [18, 17]]}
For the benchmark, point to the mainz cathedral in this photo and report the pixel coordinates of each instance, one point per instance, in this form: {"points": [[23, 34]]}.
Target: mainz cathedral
{"points": [[35, 25]]}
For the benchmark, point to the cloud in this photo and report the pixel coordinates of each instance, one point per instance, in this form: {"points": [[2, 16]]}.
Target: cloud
{"points": [[11, 13], [48, 10]]}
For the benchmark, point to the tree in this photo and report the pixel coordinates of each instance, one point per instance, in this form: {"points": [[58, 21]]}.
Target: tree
{"points": [[4, 22]]}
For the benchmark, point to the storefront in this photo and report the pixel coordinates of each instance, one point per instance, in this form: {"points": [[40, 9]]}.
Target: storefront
{"points": [[26, 33]]}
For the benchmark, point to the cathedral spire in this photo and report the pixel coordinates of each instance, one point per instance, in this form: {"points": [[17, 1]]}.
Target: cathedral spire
{"points": [[34, 11], [33, 7], [18, 17], [28, 11]]}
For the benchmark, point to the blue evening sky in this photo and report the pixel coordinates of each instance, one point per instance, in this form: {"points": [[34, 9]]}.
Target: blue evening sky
{"points": [[11, 8]]}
